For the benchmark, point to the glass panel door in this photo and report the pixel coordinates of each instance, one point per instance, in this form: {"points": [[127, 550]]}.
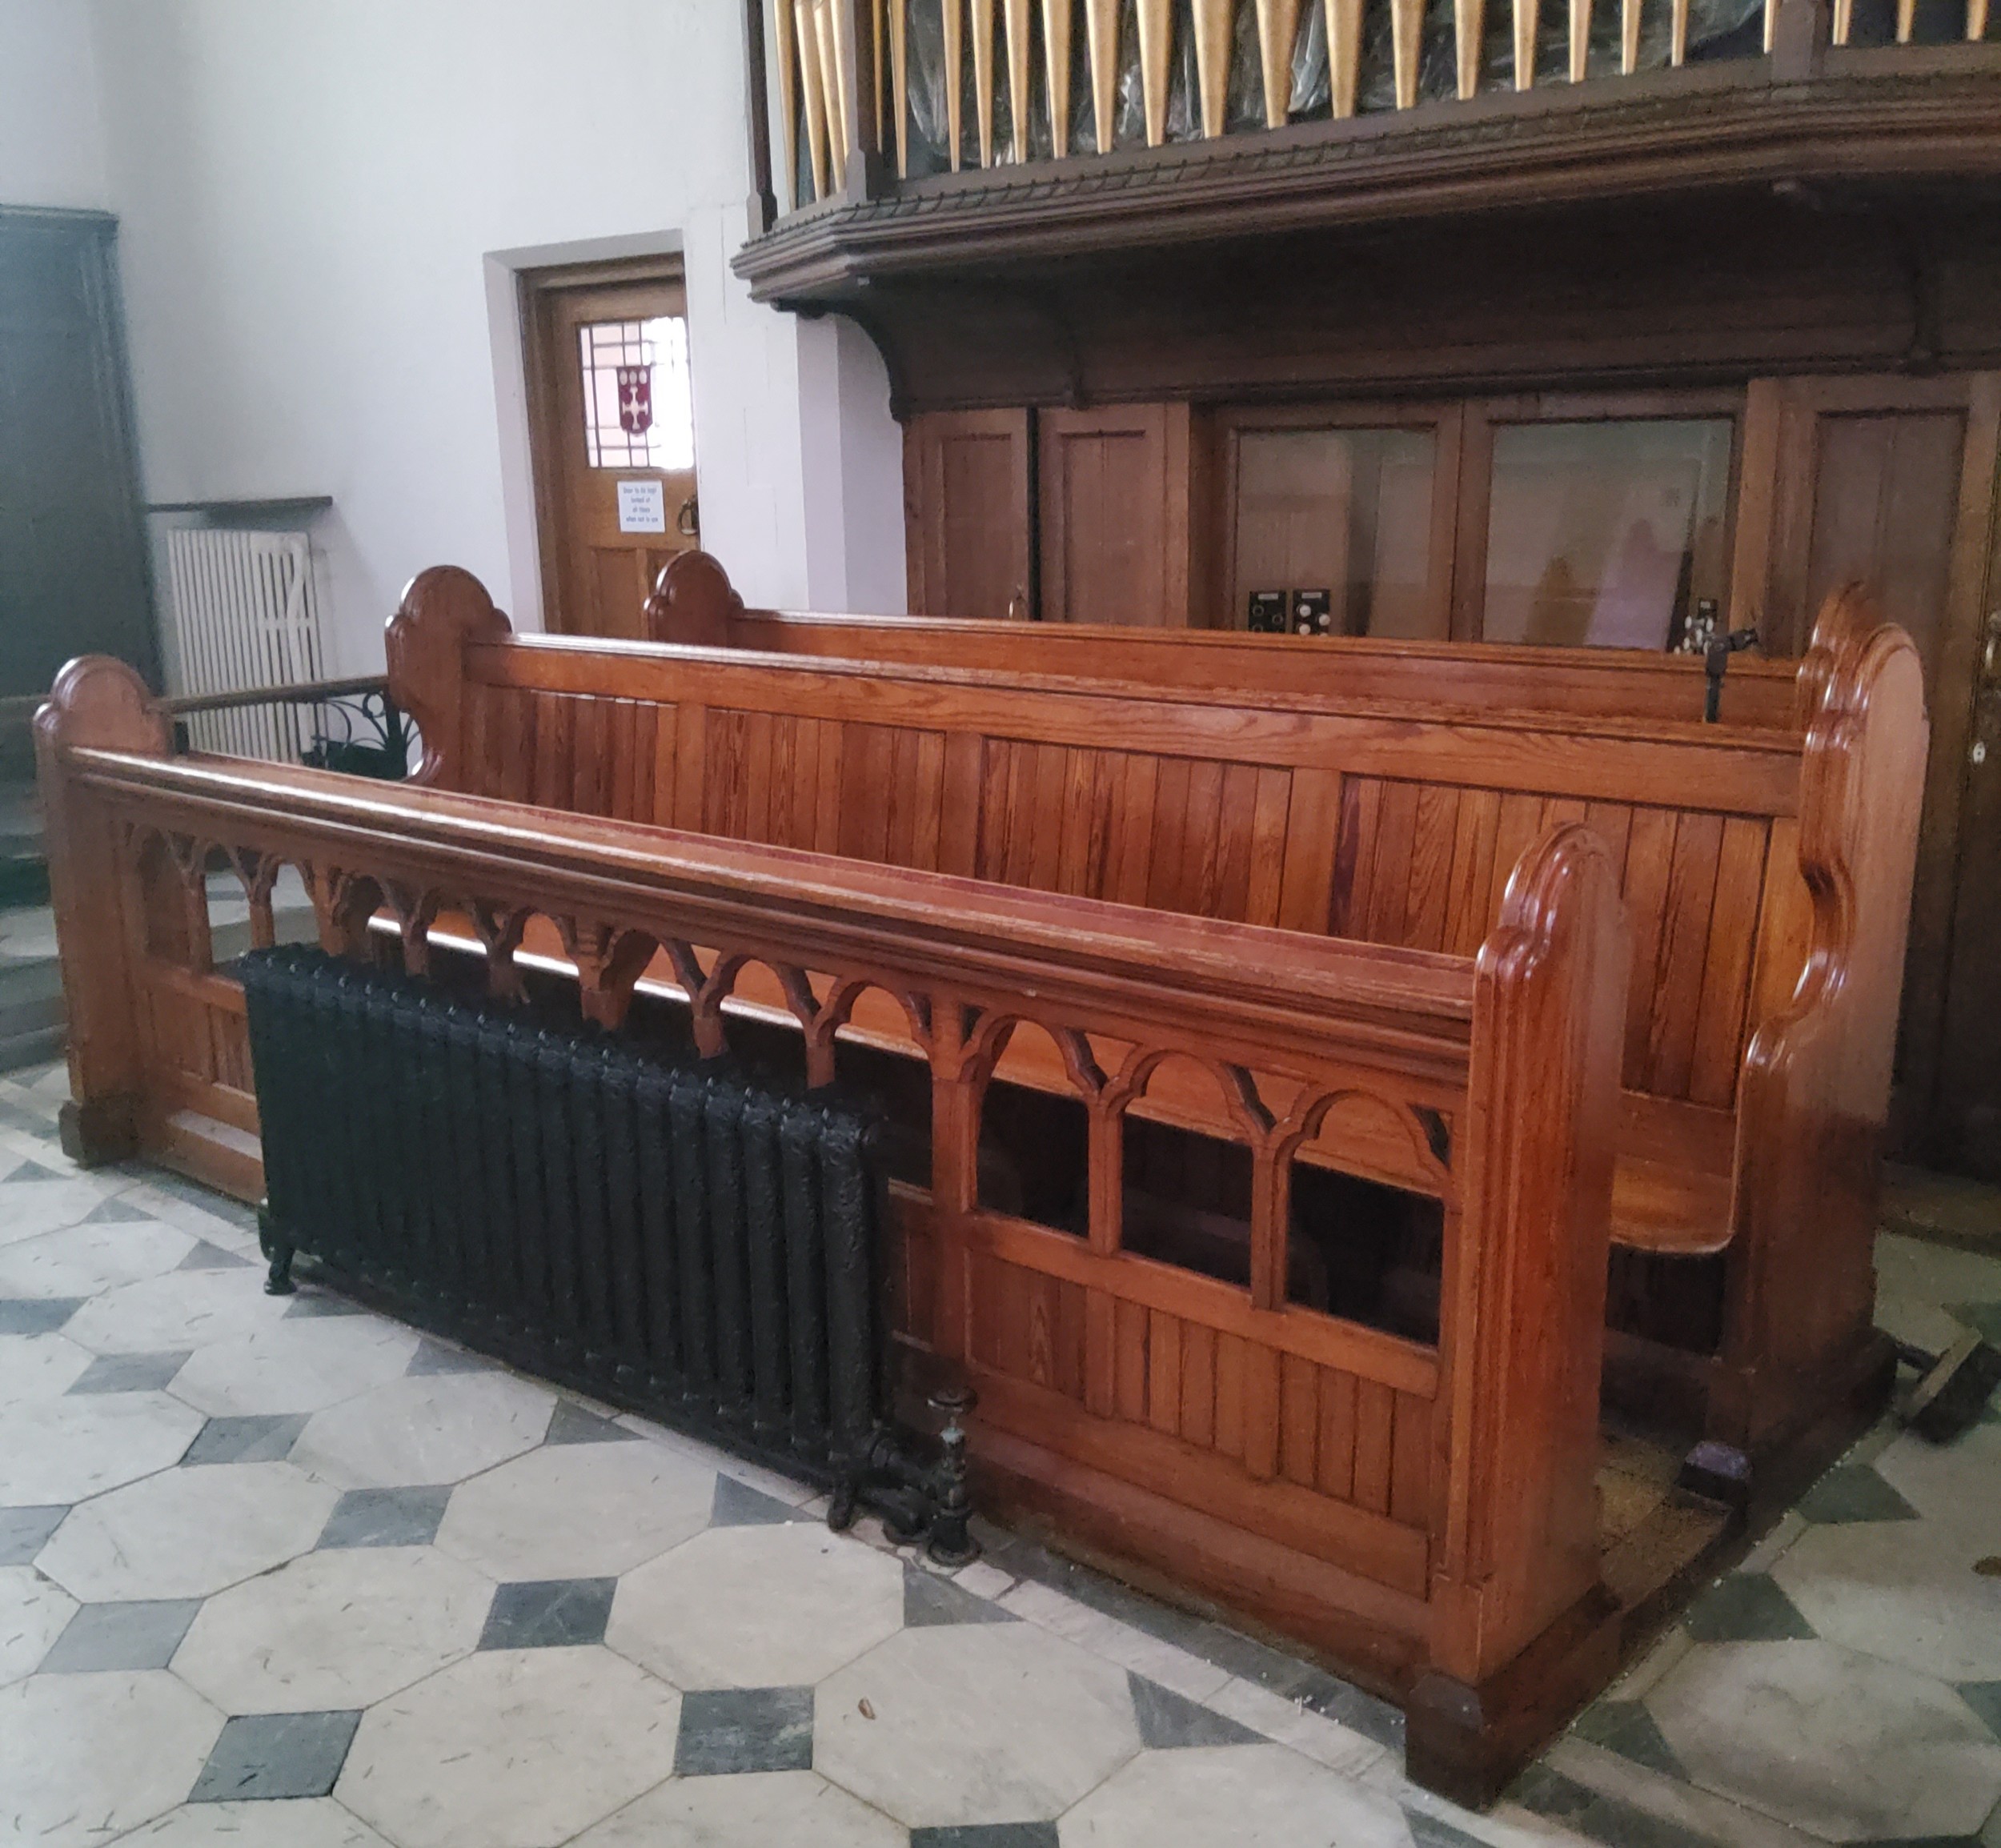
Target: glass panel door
{"points": [[1611, 533]]}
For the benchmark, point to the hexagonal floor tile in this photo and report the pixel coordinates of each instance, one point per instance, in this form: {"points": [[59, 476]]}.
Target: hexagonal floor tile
{"points": [[1249, 1796], [578, 1511], [39, 1367], [1904, 1590], [333, 1630], [185, 1309], [188, 1532], [83, 1261], [295, 1366], [1958, 1485], [514, 1749], [69, 1449], [763, 1810], [33, 1614], [439, 1429], [34, 1207], [1815, 1735], [317, 1822], [973, 1723], [84, 1756], [757, 1607]]}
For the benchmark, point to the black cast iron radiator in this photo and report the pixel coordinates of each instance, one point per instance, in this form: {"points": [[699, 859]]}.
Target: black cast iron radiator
{"points": [[668, 1235]]}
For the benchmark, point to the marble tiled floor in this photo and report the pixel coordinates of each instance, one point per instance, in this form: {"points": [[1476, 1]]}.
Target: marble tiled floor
{"points": [[287, 1573]]}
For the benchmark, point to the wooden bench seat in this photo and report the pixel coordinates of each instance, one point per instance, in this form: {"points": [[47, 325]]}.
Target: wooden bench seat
{"points": [[1421, 1508], [1765, 867]]}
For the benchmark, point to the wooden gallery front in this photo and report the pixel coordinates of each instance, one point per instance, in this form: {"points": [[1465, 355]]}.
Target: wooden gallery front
{"points": [[1382, 1004]]}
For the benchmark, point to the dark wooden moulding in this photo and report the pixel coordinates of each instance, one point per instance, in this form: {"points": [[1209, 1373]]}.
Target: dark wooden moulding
{"points": [[1355, 934]]}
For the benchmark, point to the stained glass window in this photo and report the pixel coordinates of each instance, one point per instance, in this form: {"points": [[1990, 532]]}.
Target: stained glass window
{"points": [[640, 368]]}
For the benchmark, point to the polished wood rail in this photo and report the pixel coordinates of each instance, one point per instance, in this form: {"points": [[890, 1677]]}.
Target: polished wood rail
{"points": [[694, 603], [1422, 1507], [1739, 1313]]}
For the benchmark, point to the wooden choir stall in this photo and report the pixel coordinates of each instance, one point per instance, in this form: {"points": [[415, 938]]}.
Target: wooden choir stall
{"points": [[1307, 1108]]}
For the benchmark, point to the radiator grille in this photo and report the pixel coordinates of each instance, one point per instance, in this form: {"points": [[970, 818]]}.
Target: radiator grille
{"points": [[664, 1233], [244, 615]]}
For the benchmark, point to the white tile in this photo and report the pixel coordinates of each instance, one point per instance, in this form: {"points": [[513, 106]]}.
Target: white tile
{"points": [[84, 1756], [308, 1823], [338, 1630], [1244, 1796], [511, 1749], [757, 1607], [769, 1810], [39, 1367], [185, 1309], [786, 1489], [83, 1261], [1904, 1590], [1611, 1775], [173, 1209], [1917, 1268], [1117, 1642], [188, 1532], [1785, 1531], [1326, 1742], [1845, 1746], [28, 1208], [437, 1428], [301, 1365], [973, 1722], [64, 1450], [578, 1511], [33, 1613], [985, 1581], [1957, 1484]]}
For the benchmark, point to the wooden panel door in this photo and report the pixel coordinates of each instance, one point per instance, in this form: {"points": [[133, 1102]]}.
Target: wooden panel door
{"points": [[613, 436], [1892, 481], [1116, 489], [967, 513], [73, 570]]}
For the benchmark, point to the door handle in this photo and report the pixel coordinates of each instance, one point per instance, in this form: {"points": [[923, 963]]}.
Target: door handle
{"points": [[689, 519], [1018, 607]]}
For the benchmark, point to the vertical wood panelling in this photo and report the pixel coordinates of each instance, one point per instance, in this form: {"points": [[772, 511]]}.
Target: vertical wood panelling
{"points": [[1676, 988], [961, 808], [1229, 1395], [757, 771], [1334, 1448], [1268, 846], [1164, 1372], [1132, 1329], [1375, 1416], [1649, 855], [1468, 900], [1132, 847], [620, 718], [1312, 823], [1410, 1461], [1298, 1420], [1198, 1384], [1433, 840], [1719, 1023], [590, 762]]}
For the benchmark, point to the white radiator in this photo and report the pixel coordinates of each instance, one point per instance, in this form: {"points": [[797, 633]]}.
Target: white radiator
{"points": [[244, 613]]}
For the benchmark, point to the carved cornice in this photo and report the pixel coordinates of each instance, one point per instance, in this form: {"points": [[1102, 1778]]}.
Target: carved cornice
{"points": [[1875, 120]]}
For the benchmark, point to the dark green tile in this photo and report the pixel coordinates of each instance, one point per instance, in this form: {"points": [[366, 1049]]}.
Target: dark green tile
{"points": [[1169, 1721], [737, 1504], [1606, 1819], [1854, 1492], [1746, 1607], [1627, 1728], [929, 1601], [1984, 1697], [572, 1423]]}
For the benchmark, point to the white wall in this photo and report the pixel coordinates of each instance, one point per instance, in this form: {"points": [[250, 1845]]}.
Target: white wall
{"points": [[51, 126], [312, 197]]}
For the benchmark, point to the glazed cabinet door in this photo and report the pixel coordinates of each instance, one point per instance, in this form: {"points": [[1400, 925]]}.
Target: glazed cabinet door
{"points": [[967, 513]]}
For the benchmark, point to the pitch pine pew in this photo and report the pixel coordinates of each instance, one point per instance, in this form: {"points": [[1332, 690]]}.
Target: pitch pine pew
{"points": [[1767, 871], [1424, 1509], [695, 604]]}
